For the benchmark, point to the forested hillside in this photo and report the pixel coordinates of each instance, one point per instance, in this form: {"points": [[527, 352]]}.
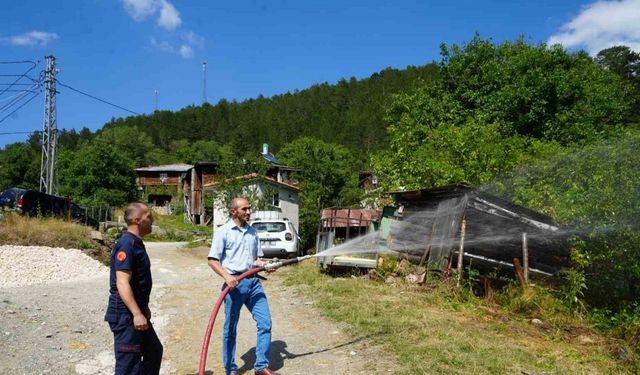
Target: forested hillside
{"points": [[349, 113]]}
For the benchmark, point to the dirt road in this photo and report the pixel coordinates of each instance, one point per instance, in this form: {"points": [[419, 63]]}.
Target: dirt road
{"points": [[58, 328]]}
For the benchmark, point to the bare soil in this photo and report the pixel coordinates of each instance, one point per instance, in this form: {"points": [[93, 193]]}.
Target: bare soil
{"points": [[57, 328]]}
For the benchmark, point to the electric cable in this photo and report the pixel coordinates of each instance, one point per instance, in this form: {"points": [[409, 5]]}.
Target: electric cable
{"points": [[12, 97], [20, 76], [15, 110], [17, 98], [12, 133], [96, 98]]}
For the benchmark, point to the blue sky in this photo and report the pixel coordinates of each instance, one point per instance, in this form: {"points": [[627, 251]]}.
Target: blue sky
{"points": [[124, 50]]}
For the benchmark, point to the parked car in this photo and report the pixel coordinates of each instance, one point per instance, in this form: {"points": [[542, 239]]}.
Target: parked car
{"points": [[278, 238], [35, 203], [8, 197]]}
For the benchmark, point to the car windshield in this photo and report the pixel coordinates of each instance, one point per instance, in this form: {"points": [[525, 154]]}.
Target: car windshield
{"points": [[271, 227]]}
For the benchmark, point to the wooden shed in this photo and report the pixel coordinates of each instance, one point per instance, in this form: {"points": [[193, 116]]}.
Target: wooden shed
{"points": [[489, 230]]}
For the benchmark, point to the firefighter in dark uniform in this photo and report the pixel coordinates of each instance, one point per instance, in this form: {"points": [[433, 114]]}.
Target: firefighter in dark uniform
{"points": [[137, 347]]}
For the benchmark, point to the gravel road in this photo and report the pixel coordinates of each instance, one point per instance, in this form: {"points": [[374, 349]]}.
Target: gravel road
{"points": [[52, 304]]}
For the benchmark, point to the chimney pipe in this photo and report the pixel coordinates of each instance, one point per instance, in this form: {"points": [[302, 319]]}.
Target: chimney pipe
{"points": [[265, 149]]}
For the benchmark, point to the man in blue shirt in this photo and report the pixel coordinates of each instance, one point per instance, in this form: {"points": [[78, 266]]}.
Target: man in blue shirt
{"points": [[234, 250], [137, 347]]}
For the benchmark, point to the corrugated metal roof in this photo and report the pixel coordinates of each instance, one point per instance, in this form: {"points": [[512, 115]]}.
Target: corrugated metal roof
{"points": [[255, 176], [166, 168], [341, 218]]}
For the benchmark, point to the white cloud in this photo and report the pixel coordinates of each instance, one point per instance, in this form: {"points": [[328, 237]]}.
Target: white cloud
{"points": [[169, 19], [601, 25], [193, 39], [186, 51], [169, 16], [162, 45], [32, 38], [139, 10]]}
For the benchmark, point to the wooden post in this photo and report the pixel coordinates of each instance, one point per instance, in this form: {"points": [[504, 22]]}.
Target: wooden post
{"points": [[525, 257], [348, 224], [463, 229]]}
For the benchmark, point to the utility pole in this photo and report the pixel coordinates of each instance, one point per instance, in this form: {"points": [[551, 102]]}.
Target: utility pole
{"points": [[204, 82], [49, 131], [155, 99]]}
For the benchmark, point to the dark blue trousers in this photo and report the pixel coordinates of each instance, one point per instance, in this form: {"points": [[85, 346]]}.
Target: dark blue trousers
{"points": [[137, 352]]}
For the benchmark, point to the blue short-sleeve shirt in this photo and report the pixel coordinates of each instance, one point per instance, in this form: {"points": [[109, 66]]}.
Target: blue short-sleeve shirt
{"points": [[129, 254], [237, 248]]}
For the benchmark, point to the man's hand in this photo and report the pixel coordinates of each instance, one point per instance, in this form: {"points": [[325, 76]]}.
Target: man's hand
{"points": [[140, 322], [231, 281], [261, 263]]}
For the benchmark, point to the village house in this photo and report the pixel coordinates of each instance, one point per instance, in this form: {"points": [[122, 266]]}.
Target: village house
{"points": [[162, 185], [194, 188], [274, 189]]}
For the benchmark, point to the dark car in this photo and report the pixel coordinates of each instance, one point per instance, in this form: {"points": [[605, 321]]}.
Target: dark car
{"points": [[35, 203], [8, 197]]}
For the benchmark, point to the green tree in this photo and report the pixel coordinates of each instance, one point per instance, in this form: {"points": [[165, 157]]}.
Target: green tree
{"points": [[626, 63], [490, 106], [621, 60], [199, 151], [19, 167], [130, 142], [594, 191], [97, 174], [327, 177]]}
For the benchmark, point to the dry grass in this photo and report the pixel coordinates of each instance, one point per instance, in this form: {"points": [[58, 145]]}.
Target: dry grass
{"points": [[436, 330], [26, 231]]}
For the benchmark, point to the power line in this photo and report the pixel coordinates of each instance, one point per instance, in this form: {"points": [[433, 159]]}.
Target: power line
{"points": [[12, 133], [15, 110], [19, 62], [23, 75], [96, 98], [14, 96], [23, 90], [18, 97]]}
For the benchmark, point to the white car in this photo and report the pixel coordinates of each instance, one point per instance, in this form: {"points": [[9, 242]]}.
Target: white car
{"points": [[278, 238]]}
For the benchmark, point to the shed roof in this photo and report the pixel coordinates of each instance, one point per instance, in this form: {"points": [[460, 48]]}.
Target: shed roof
{"points": [[255, 176], [166, 168], [344, 217]]}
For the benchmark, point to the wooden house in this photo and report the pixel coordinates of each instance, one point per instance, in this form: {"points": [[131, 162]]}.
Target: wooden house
{"points": [[161, 185], [202, 173]]}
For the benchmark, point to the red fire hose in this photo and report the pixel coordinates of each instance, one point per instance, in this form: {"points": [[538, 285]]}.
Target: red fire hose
{"points": [[207, 335]]}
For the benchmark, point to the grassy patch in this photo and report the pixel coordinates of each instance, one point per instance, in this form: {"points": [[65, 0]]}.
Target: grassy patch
{"points": [[440, 329], [27, 231], [178, 223], [174, 228]]}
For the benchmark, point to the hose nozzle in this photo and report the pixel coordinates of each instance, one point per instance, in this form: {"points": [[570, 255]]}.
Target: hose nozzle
{"points": [[276, 263]]}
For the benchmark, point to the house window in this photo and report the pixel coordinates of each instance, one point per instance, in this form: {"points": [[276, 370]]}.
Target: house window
{"points": [[275, 199], [163, 177]]}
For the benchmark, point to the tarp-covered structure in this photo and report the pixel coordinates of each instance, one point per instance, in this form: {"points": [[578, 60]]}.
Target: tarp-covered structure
{"points": [[427, 225]]}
